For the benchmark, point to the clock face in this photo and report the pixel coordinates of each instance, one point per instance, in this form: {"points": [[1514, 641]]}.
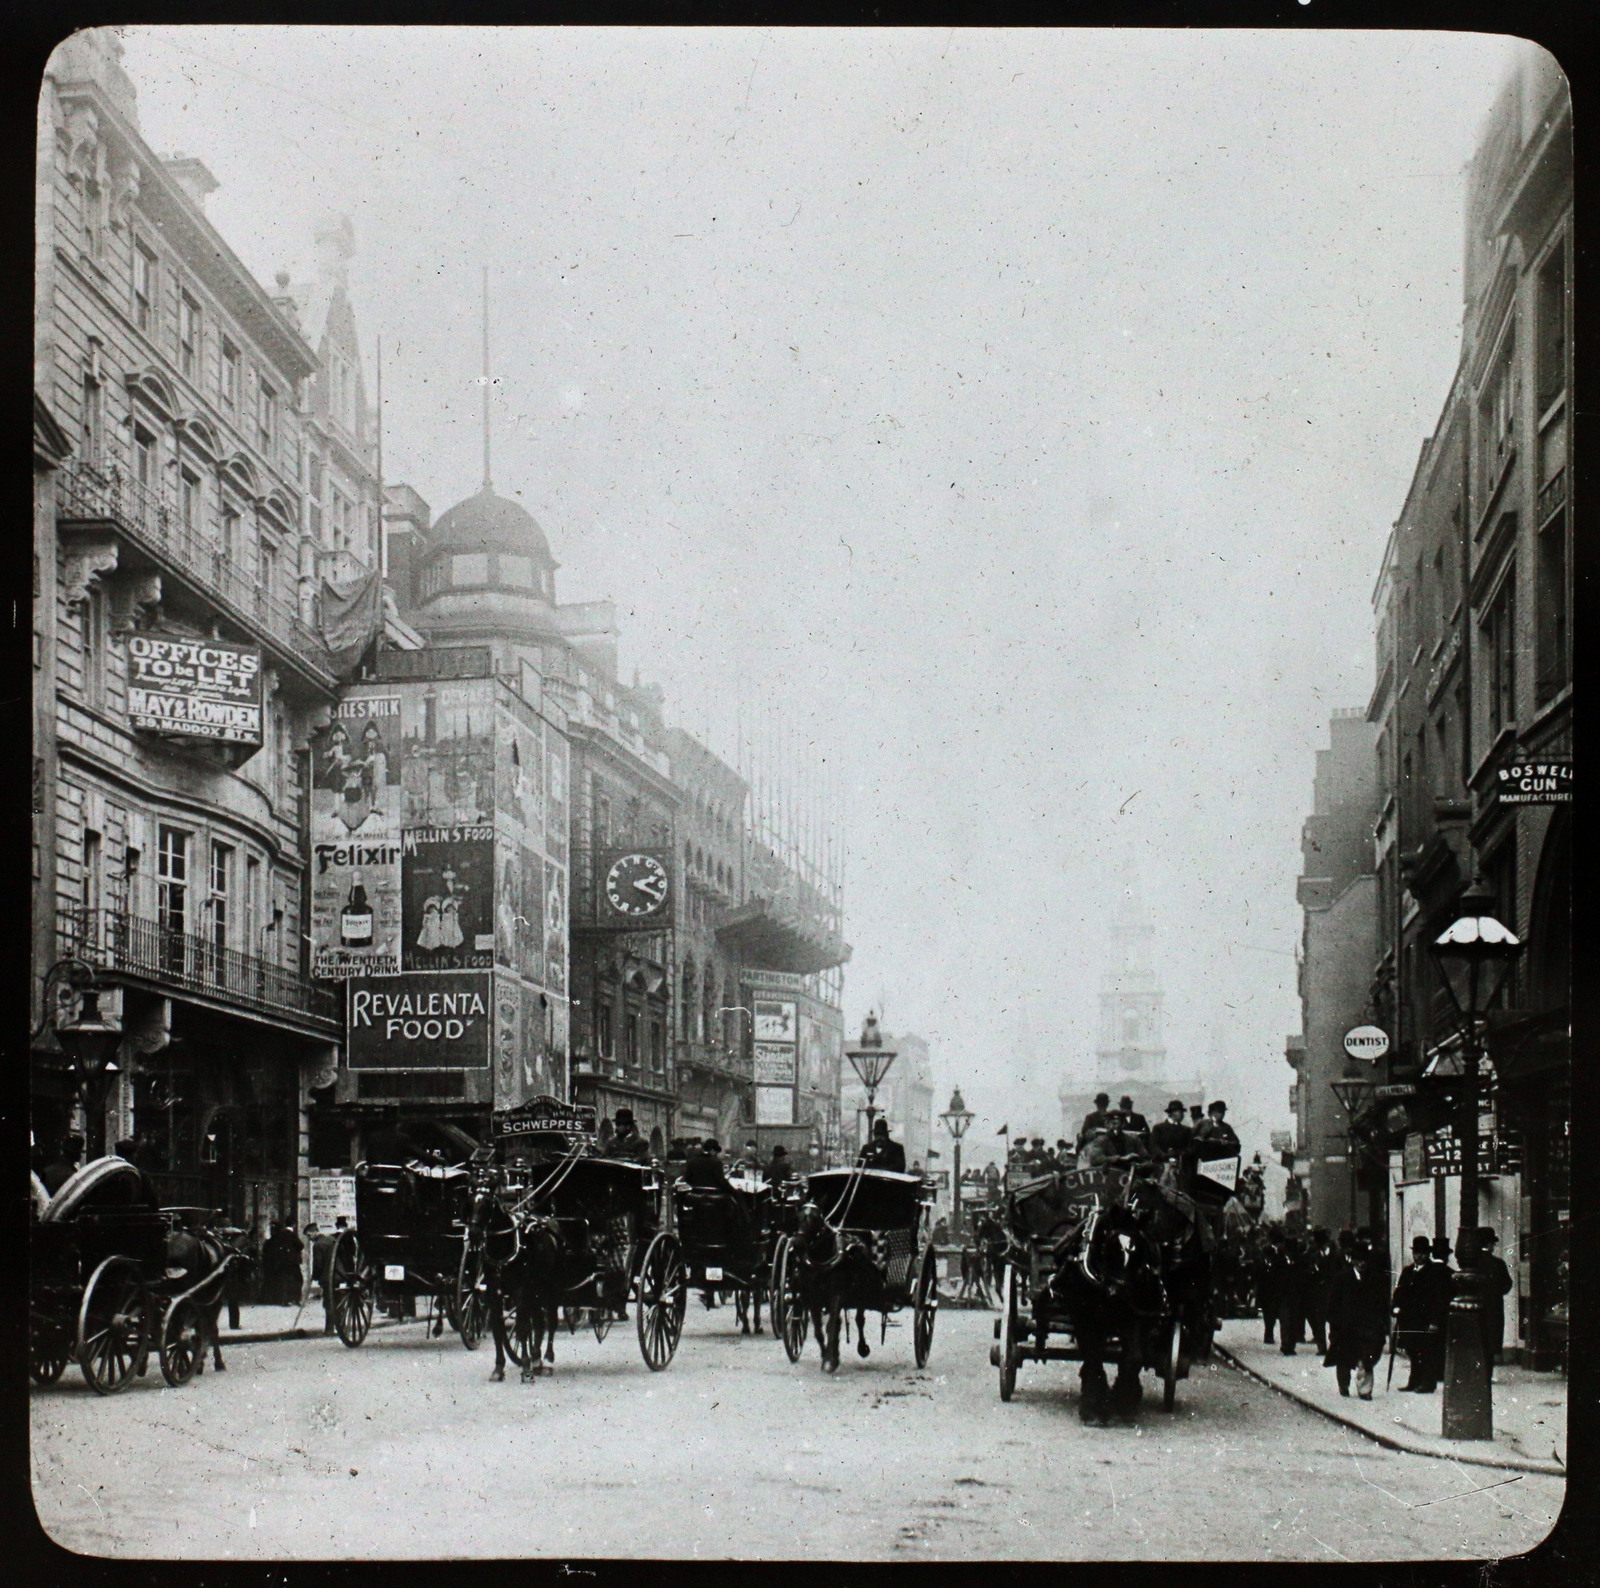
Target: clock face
{"points": [[636, 885]]}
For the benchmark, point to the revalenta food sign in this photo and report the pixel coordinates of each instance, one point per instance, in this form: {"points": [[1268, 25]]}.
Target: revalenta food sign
{"points": [[194, 689], [436, 1020]]}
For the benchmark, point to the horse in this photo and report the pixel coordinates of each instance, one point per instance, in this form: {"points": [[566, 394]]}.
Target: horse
{"points": [[1108, 1281], [193, 1256], [530, 1280], [746, 1302]]}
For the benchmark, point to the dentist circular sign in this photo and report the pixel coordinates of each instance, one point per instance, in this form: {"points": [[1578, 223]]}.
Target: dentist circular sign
{"points": [[1366, 1042]]}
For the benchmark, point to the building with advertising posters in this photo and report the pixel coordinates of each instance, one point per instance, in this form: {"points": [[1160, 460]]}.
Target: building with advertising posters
{"points": [[181, 666], [676, 887], [1473, 708], [439, 899]]}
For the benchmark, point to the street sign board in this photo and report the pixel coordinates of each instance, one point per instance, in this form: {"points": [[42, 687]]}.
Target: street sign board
{"points": [[1366, 1042], [1535, 782], [420, 1020], [774, 1105], [194, 689]]}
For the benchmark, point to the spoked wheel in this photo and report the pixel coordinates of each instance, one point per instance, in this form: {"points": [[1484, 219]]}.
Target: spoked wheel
{"points": [[49, 1351], [471, 1309], [350, 1274], [775, 1287], [112, 1323], [505, 1323], [788, 1304], [1169, 1367], [1009, 1318], [663, 1295], [926, 1307], [183, 1342]]}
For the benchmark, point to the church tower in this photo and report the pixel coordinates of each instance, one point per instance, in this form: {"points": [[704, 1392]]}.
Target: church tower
{"points": [[1131, 1050], [1132, 1042]]}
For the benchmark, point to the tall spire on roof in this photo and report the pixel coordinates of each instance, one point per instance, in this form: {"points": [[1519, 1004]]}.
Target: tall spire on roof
{"points": [[487, 484]]}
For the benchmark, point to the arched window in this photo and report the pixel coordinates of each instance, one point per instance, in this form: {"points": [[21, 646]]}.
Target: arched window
{"points": [[1130, 1025]]}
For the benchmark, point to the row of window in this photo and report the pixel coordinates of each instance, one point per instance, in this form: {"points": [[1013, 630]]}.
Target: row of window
{"points": [[644, 1038], [477, 570]]}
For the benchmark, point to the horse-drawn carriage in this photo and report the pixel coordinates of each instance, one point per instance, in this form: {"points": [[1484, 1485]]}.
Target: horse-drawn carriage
{"points": [[113, 1275], [558, 1231], [728, 1243], [409, 1243], [1110, 1264], [860, 1246]]}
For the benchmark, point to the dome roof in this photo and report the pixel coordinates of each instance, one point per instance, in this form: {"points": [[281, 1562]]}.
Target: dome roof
{"points": [[488, 522]]}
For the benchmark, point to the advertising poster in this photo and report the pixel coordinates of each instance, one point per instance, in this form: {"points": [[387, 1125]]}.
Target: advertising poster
{"points": [[508, 1042], [555, 798], [775, 1020], [532, 940], [774, 1064], [510, 904], [333, 1197], [555, 929], [355, 771], [819, 1049], [420, 1020], [447, 889], [774, 1105], [194, 689], [544, 1067], [519, 781], [355, 907], [447, 764]]}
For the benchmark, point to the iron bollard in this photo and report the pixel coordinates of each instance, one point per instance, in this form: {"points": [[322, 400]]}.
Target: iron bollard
{"points": [[1468, 1399]]}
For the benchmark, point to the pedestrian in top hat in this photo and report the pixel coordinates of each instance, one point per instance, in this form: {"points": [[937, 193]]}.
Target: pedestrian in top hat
{"points": [[1358, 1315], [1130, 1119], [1494, 1287], [778, 1168], [1415, 1317], [626, 1142]]}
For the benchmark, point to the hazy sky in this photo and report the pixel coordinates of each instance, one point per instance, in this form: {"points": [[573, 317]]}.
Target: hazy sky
{"points": [[1023, 412]]}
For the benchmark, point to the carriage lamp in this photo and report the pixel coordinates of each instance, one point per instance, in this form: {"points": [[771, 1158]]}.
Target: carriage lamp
{"points": [[1475, 954], [956, 1119], [871, 1060]]}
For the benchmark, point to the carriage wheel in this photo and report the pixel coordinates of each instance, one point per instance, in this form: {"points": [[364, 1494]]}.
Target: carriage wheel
{"points": [[48, 1355], [112, 1322], [1169, 1368], [775, 1286], [789, 1304], [926, 1307], [350, 1274], [504, 1320], [663, 1295], [183, 1342], [471, 1302], [1010, 1352]]}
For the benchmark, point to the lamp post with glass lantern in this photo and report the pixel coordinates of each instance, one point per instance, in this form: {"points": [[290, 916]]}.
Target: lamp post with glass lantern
{"points": [[89, 1036], [870, 1060], [1475, 954], [956, 1119]]}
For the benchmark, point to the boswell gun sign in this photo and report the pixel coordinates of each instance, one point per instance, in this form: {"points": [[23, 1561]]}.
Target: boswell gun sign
{"points": [[436, 1020], [194, 689]]}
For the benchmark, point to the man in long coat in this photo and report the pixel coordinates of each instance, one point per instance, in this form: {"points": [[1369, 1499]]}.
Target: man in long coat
{"points": [[1358, 1315]]}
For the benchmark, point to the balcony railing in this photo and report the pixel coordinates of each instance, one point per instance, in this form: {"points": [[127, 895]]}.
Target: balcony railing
{"points": [[710, 1056], [86, 494], [113, 940]]}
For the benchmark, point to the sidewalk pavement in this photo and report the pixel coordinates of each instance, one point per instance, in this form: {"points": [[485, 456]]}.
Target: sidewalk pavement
{"points": [[1530, 1409]]}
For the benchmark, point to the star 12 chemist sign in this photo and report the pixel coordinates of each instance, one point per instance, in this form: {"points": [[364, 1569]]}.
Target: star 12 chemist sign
{"points": [[194, 689]]}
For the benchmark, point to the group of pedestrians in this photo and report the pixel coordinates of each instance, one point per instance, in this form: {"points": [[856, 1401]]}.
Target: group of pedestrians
{"points": [[1337, 1292]]}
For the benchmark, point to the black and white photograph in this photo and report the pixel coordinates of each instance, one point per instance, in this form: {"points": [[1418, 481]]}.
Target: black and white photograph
{"points": [[801, 793]]}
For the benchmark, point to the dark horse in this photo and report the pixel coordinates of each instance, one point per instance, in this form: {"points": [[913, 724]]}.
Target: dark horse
{"points": [[193, 1256], [1108, 1281], [527, 1286], [835, 1270]]}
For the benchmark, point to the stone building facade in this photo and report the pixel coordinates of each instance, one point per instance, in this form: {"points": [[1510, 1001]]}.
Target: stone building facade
{"points": [[1473, 705], [179, 665]]}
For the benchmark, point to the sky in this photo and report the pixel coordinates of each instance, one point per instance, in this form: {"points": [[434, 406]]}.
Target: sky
{"points": [[1019, 416]]}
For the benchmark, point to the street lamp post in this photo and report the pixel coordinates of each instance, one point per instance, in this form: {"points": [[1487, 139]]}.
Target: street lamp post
{"points": [[955, 1119], [89, 1036], [1475, 954], [870, 1060]]}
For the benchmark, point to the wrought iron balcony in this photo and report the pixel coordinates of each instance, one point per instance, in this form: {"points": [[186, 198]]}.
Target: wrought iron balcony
{"points": [[127, 945], [714, 1059], [87, 496]]}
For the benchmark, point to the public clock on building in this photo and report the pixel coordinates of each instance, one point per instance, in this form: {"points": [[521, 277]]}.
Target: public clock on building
{"points": [[636, 885]]}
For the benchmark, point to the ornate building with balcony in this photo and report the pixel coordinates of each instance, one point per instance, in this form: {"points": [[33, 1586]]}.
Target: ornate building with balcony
{"points": [[1473, 709], [179, 665]]}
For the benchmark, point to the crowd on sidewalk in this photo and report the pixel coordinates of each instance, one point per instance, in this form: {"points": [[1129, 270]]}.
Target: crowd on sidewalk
{"points": [[1338, 1293]]}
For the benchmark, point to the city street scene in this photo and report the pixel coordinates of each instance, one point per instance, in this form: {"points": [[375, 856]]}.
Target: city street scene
{"points": [[800, 794]]}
